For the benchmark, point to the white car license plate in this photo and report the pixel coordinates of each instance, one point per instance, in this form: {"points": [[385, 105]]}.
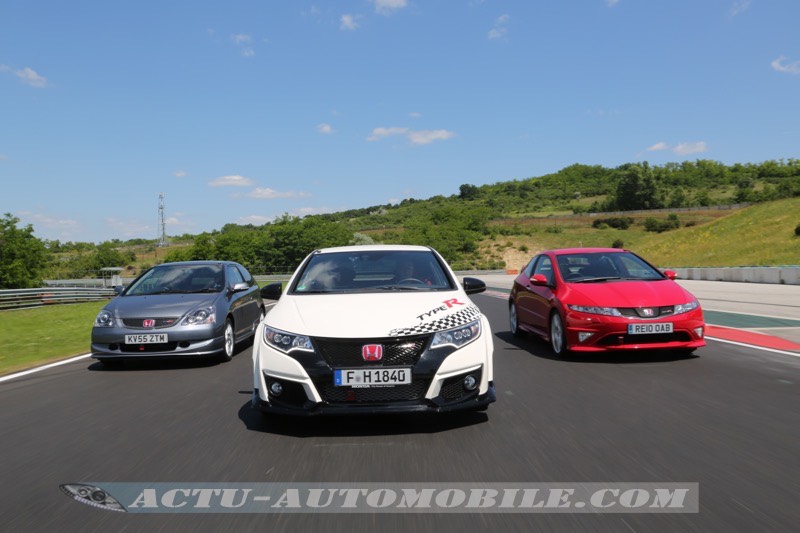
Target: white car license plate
{"points": [[147, 338], [371, 377], [648, 329]]}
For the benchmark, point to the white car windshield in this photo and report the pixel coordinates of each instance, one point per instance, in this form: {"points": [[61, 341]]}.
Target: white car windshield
{"points": [[372, 271]]}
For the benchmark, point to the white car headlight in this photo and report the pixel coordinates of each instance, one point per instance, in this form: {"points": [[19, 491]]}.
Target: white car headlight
{"points": [[685, 308], [287, 342], [205, 315], [104, 319], [457, 337], [593, 310]]}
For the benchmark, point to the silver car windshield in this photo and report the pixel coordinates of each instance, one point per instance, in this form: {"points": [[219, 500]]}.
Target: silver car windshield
{"points": [[167, 279], [372, 271]]}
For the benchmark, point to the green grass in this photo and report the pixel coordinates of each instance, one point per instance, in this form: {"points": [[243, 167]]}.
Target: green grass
{"points": [[30, 337]]}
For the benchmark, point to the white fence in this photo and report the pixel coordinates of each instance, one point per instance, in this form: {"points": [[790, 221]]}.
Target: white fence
{"points": [[22, 298]]}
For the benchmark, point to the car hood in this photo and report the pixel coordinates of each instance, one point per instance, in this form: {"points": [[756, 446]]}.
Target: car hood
{"points": [[372, 315], [627, 293], [159, 305]]}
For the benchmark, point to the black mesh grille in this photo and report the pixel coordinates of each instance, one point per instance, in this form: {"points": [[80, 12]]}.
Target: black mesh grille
{"points": [[333, 394], [637, 312], [136, 323], [453, 388], [146, 348], [404, 351], [293, 393]]}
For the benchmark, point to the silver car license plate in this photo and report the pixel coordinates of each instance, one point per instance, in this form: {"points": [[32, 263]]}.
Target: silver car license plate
{"points": [[372, 377], [147, 338], [649, 329]]}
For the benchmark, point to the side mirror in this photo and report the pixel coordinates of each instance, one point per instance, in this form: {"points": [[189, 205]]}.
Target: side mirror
{"points": [[473, 285], [671, 274], [539, 279], [118, 290], [239, 287], [272, 291]]}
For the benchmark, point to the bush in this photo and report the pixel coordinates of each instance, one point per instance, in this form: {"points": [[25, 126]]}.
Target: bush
{"points": [[614, 222], [660, 226], [797, 230], [618, 244]]}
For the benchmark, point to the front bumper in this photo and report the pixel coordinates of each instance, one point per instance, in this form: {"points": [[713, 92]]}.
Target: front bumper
{"points": [[475, 403], [200, 341]]}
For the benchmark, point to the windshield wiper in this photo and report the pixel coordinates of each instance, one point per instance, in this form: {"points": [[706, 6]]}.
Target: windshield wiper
{"points": [[399, 288], [595, 280]]}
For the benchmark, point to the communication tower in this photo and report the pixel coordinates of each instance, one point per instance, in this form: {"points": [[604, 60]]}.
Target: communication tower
{"points": [[162, 239]]}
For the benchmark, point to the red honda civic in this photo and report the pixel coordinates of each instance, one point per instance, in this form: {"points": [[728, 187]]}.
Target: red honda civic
{"points": [[601, 299]]}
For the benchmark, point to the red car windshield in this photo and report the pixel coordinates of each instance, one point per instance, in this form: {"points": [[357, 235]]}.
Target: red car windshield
{"points": [[602, 266]]}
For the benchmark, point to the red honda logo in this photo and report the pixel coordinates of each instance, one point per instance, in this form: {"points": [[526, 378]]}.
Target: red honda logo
{"points": [[372, 352], [148, 323]]}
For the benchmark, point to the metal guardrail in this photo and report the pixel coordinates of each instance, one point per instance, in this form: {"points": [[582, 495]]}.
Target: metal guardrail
{"points": [[25, 298]]}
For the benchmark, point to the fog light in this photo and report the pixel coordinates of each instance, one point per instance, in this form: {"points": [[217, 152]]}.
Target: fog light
{"points": [[470, 382], [275, 388], [699, 332], [583, 335]]}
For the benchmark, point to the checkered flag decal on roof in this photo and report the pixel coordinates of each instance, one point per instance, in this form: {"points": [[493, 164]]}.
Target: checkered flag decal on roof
{"points": [[464, 316]]}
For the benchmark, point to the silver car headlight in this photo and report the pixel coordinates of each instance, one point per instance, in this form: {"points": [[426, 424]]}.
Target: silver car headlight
{"points": [[457, 337], [685, 308], [205, 315], [287, 342], [104, 319], [593, 310]]}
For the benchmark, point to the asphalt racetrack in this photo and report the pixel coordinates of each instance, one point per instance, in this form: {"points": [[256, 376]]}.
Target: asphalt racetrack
{"points": [[727, 419]]}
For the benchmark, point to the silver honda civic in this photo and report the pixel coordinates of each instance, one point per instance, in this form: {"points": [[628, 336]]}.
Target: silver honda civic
{"points": [[183, 309]]}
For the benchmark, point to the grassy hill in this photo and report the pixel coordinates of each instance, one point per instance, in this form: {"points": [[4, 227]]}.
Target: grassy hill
{"points": [[759, 235]]}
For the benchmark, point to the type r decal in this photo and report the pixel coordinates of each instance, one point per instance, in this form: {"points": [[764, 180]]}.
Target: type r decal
{"points": [[447, 304], [465, 316]]}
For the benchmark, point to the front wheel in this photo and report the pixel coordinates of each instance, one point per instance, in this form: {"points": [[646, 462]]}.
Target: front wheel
{"points": [[558, 335], [513, 320], [230, 342]]}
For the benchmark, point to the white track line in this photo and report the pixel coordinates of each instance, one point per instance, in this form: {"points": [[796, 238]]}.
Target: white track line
{"points": [[44, 367]]}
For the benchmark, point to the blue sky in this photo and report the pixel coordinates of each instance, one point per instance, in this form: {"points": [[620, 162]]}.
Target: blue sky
{"points": [[241, 111]]}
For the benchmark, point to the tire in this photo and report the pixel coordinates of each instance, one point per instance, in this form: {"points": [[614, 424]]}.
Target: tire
{"points": [[230, 342], [558, 335], [513, 320]]}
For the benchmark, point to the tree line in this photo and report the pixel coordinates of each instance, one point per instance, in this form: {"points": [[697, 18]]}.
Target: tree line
{"points": [[454, 225]]}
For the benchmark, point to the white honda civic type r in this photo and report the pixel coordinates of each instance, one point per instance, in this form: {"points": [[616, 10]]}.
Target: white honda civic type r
{"points": [[373, 329]]}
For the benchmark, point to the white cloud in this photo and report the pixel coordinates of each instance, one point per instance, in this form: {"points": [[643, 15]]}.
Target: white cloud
{"points": [[256, 220], [415, 115], [3, 157], [381, 133], [243, 41], [690, 148], [387, 7], [265, 193], [414, 136], [348, 22], [324, 128], [658, 146], [428, 136], [30, 77], [231, 181], [739, 6], [4, 68], [681, 148], [788, 68], [179, 174], [499, 30], [612, 3]]}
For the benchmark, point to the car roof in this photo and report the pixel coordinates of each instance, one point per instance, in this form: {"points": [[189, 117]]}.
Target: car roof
{"points": [[197, 263], [375, 248], [565, 251]]}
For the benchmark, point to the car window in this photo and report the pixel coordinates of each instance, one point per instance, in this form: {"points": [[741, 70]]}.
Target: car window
{"points": [[373, 270], [545, 267], [234, 276]]}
